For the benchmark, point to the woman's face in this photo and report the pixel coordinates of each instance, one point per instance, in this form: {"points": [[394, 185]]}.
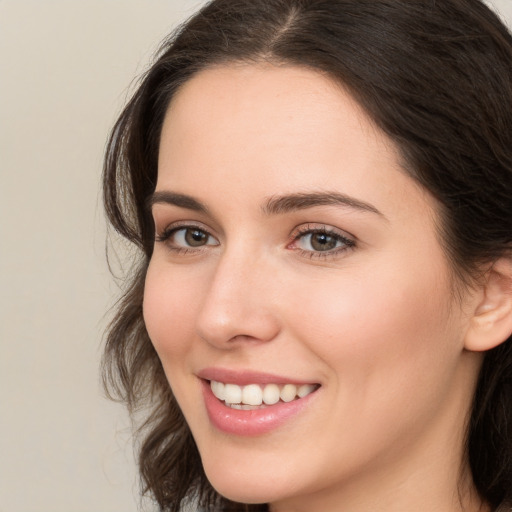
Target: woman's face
{"points": [[295, 256]]}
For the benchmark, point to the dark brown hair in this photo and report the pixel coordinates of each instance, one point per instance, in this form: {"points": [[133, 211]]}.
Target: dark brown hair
{"points": [[436, 77]]}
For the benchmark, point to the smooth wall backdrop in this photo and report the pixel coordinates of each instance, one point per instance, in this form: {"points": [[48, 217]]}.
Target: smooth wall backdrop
{"points": [[66, 67]]}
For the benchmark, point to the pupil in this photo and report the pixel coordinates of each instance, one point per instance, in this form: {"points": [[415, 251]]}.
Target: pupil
{"points": [[323, 242], [195, 237]]}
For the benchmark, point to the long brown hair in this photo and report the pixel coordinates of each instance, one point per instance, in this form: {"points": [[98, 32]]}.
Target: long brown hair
{"points": [[436, 77]]}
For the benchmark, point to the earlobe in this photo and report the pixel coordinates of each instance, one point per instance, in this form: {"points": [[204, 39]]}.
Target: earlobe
{"points": [[491, 323]]}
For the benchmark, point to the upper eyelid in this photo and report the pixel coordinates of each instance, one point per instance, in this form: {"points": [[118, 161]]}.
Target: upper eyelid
{"points": [[164, 220], [303, 229], [176, 225]]}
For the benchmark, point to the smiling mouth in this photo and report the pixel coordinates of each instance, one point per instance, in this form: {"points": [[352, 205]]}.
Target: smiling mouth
{"points": [[256, 396]]}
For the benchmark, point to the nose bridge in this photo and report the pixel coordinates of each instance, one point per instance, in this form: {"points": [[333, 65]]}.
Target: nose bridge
{"points": [[238, 303]]}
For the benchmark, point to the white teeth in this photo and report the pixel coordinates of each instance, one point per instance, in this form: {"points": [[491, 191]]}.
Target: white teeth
{"points": [[305, 390], [252, 395], [243, 407], [271, 394], [232, 394], [247, 397], [288, 393], [217, 389]]}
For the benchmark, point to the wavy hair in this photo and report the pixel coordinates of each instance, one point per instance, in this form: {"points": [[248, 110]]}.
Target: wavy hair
{"points": [[436, 77]]}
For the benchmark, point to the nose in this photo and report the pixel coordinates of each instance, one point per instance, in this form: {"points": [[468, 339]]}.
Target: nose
{"points": [[239, 304]]}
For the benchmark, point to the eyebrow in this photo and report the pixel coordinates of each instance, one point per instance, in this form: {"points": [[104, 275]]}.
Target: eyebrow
{"points": [[282, 204], [180, 200], [275, 205]]}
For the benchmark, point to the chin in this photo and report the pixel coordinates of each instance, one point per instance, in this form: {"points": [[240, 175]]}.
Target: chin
{"points": [[246, 486]]}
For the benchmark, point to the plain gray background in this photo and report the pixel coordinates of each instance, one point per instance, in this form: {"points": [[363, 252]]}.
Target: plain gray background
{"points": [[66, 69]]}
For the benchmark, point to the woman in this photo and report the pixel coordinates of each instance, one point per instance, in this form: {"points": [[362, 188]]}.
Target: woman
{"points": [[321, 317]]}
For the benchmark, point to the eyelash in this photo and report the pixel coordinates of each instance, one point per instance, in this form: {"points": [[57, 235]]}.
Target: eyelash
{"points": [[301, 233], [170, 231]]}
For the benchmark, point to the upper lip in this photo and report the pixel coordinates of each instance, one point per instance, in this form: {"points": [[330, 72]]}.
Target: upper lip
{"points": [[245, 377]]}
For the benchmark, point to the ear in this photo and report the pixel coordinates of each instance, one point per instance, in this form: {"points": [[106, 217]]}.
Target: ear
{"points": [[491, 323]]}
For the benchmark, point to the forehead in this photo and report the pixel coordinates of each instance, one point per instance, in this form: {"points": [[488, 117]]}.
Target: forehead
{"points": [[269, 118], [261, 94]]}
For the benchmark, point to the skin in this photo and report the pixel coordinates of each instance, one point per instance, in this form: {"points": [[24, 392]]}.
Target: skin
{"points": [[374, 322]]}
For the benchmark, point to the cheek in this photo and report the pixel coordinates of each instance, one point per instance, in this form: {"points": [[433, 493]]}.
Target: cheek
{"points": [[381, 327], [169, 309], [390, 350]]}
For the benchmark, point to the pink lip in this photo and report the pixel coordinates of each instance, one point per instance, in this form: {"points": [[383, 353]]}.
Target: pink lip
{"points": [[243, 378], [249, 422]]}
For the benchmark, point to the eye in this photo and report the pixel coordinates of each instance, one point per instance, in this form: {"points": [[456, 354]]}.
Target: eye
{"points": [[191, 237], [186, 238], [321, 242]]}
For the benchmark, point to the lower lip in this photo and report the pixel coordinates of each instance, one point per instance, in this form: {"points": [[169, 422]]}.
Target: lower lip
{"points": [[253, 422]]}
